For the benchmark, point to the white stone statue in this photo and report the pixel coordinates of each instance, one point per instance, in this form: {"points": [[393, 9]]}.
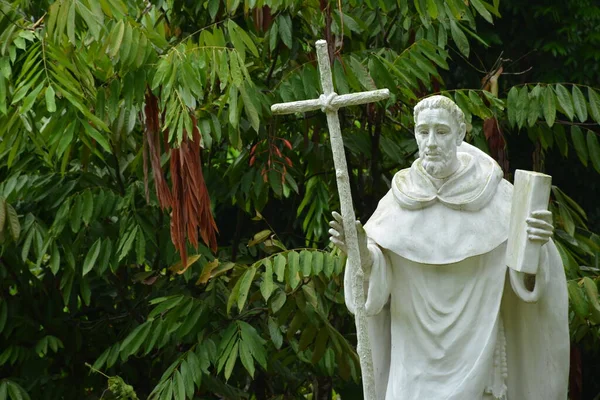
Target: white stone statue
{"points": [[447, 319]]}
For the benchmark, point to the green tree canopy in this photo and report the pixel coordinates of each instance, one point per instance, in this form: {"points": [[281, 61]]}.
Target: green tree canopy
{"points": [[160, 226]]}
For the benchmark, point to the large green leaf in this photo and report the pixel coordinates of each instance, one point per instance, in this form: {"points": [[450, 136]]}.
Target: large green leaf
{"points": [[279, 267], [549, 105], [579, 143], [511, 104], [577, 299], [92, 256], [482, 10], [245, 283], [594, 103], [560, 138], [459, 38], [275, 333], [522, 106], [594, 149], [285, 29], [293, 270], [13, 222], [246, 357], [305, 262], [179, 385], [579, 103], [564, 100], [267, 286]]}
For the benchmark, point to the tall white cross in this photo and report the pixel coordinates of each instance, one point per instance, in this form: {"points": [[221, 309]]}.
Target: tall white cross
{"points": [[330, 102]]}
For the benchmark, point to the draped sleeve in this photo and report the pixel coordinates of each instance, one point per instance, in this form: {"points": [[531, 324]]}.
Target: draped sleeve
{"points": [[536, 325], [521, 282], [377, 282], [380, 281]]}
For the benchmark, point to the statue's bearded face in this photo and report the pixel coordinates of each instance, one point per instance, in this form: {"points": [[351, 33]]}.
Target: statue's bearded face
{"points": [[438, 135]]}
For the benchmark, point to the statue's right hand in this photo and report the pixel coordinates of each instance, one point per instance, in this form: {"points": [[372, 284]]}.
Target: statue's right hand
{"points": [[338, 236]]}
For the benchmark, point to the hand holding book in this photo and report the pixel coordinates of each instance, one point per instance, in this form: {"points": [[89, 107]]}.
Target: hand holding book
{"points": [[539, 226], [530, 221]]}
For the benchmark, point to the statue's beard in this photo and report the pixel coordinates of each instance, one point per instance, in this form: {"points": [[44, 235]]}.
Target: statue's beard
{"points": [[441, 166]]}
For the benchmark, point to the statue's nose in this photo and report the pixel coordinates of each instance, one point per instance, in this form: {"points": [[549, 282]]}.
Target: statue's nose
{"points": [[431, 140]]}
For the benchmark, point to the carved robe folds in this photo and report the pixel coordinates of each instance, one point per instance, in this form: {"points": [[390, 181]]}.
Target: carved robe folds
{"points": [[448, 320]]}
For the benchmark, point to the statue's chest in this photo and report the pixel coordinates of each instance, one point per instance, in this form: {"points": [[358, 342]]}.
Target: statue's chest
{"points": [[437, 299]]}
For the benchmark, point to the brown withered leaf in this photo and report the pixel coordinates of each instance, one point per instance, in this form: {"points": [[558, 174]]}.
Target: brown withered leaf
{"points": [[152, 144], [188, 196], [191, 201], [178, 214], [145, 167], [491, 128], [496, 143]]}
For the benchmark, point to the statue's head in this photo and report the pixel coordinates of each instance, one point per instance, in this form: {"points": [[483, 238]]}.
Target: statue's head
{"points": [[439, 129]]}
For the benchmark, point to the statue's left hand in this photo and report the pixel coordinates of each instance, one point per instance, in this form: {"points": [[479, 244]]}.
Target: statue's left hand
{"points": [[539, 226]]}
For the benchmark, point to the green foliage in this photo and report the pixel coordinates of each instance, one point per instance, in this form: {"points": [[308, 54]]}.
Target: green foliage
{"points": [[12, 390], [88, 270]]}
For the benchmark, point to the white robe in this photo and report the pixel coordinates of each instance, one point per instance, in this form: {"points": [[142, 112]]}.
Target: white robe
{"points": [[443, 324]]}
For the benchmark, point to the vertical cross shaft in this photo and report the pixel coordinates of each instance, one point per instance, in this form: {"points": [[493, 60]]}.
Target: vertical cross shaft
{"points": [[329, 102], [349, 218]]}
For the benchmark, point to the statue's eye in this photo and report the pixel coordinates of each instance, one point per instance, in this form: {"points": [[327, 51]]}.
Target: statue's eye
{"points": [[423, 132], [442, 131]]}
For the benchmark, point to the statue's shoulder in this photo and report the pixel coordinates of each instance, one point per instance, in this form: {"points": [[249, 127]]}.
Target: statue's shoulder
{"points": [[387, 205], [505, 189], [387, 201]]}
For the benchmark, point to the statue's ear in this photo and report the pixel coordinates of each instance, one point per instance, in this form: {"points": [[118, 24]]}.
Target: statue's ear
{"points": [[462, 131]]}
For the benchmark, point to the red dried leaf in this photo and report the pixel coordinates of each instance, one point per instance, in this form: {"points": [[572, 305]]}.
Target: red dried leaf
{"points": [[496, 143], [145, 166], [262, 18], [191, 201], [188, 196], [263, 173], [152, 141], [178, 213], [252, 159], [287, 143]]}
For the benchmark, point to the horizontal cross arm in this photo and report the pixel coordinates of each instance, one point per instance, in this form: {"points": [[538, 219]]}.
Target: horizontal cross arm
{"points": [[343, 100], [296, 106], [354, 99]]}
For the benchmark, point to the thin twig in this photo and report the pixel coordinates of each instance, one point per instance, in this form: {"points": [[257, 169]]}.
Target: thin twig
{"points": [[466, 60], [96, 370], [37, 23], [387, 32], [518, 73], [270, 74]]}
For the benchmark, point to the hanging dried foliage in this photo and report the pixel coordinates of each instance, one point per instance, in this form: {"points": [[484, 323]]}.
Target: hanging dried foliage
{"points": [[188, 196], [496, 143], [491, 128], [152, 145], [191, 202]]}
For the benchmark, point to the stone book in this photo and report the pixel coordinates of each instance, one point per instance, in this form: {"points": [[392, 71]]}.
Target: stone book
{"points": [[531, 193]]}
